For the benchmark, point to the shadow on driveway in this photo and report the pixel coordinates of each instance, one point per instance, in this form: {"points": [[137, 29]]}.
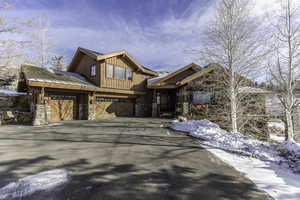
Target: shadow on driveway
{"points": [[124, 159]]}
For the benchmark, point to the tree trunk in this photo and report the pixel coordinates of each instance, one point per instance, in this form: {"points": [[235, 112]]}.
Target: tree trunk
{"points": [[290, 129], [233, 107]]}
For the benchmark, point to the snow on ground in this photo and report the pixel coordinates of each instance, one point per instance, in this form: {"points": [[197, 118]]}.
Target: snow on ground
{"points": [[259, 161], [43, 181], [277, 138]]}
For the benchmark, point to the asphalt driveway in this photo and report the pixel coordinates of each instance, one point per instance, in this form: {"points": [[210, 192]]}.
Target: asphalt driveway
{"points": [[123, 158]]}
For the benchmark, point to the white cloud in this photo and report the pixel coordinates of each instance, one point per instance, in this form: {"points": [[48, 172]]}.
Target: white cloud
{"points": [[159, 45]]}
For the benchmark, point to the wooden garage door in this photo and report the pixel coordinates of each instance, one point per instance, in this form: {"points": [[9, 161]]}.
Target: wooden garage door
{"points": [[63, 108], [107, 107]]}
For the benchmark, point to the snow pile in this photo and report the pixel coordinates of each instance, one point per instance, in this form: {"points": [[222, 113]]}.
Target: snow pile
{"points": [[265, 163], [229, 141], [44, 181]]}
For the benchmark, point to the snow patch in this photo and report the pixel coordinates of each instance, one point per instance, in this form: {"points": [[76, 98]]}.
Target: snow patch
{"points": [[44, 181], [61, 82], [7, 92], [266, 164], [161, 75], [276, 137]]}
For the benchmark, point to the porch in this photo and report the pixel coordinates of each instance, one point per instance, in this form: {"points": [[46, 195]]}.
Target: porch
{"points": [[170, 102]]}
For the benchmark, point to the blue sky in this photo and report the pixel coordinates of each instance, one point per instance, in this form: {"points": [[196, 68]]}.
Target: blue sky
{"points": [[156, 33]]}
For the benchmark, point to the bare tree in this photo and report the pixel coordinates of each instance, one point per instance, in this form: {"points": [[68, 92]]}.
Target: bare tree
{"points": [[42, 45], [11, 43], [233, 39], [58, 63], [286, 70]]}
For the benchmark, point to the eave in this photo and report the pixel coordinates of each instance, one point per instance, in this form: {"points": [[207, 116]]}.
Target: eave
{"points": [[82, 88], [162, 86], [169, 76]]}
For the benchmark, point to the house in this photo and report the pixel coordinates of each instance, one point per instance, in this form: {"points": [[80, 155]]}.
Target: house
{"points": [[98, 85], [201, 93], [95, 86]]}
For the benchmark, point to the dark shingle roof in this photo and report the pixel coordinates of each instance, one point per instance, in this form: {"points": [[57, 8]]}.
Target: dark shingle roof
{"points": [[39, 74]]}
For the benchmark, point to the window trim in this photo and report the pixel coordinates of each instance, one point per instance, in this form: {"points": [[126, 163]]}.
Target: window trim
{"points": [[210, 95], [106, 71], [93, 66], [127, 78], [115, 77]]}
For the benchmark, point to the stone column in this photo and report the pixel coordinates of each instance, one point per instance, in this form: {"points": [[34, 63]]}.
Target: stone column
{"points": [[185, 108], [91, 107], [185, 103], [39, 115], [41, 109]]}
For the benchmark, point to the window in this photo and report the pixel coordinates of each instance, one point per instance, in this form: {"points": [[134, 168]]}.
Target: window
{"points": [[102, 99], [109, 71], [129, 74], [120, 73], [93, 70], [200, 97]]}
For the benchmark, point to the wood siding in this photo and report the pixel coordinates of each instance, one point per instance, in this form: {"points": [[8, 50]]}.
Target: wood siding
{"points": [[84, 68], [138, 82]]}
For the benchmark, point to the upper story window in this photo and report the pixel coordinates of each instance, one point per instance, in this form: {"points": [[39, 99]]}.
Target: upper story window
{"points": [[109, 71], [120, 73], [129, 74], [93, 70]]}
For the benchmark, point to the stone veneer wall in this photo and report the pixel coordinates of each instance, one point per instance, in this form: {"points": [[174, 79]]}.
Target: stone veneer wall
{"points": [[91, 111], [40, 114], [185, 108], [6, 102]]}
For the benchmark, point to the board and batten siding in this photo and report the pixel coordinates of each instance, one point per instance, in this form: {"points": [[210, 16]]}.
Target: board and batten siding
{"points": [[138, 82], [84, 68]]}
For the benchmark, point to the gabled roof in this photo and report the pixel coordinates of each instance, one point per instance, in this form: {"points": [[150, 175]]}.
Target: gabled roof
{"points": [[41, 77], [204, 71], [162, 83], [171, 80], [100, 56]]}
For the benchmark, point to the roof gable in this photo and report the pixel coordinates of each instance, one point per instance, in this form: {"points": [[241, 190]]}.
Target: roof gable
{"points": [[99, 56], [177, 76], [204, 71]]}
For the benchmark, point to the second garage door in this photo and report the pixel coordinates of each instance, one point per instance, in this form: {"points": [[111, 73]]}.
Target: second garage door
{"points": [[110, 107], [63, 108]]}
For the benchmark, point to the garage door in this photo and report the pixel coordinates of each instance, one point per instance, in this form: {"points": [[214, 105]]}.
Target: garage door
{"points": [[63, 108], [110, 107]]}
